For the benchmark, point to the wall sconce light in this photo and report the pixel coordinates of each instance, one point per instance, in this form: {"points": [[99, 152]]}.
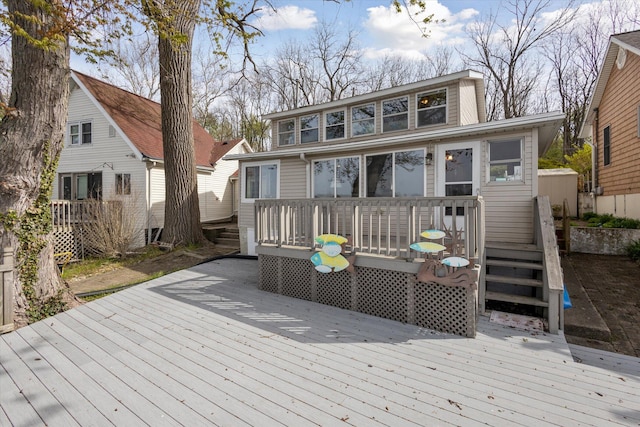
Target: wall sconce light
{"points": [[429, 159]]}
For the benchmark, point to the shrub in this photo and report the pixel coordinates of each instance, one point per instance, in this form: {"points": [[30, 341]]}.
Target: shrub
{"points": [[109, 227], [609, 221], [633, 250], [588, 215]]}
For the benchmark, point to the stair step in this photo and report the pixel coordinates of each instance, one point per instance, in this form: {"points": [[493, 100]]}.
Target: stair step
{"points": [[517, 299], [514, 264], [227, 242], [515, 254], [230, 234], [521, 281]]}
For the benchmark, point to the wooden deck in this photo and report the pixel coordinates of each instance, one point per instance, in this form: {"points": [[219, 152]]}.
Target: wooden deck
{"points": [[204, 347]]}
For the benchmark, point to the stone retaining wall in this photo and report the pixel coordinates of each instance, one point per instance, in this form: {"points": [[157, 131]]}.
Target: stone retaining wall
{"points": [[603, 241]]}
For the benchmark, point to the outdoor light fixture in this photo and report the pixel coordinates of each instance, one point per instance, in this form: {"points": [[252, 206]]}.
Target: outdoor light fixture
{"points": [[429, 158]]}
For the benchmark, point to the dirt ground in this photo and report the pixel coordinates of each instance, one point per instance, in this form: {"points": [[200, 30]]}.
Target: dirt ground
{"points": [[171, 261]]}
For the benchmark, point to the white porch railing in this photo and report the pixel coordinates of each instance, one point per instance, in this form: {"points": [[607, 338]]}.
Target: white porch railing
{"points": [[381, 226]]}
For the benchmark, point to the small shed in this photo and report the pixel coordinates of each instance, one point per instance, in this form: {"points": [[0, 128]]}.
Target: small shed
{"points": [[559, 184]]}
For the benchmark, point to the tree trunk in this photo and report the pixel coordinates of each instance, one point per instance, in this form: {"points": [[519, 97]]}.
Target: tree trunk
{"points": [[182, 210], [31, 138]]}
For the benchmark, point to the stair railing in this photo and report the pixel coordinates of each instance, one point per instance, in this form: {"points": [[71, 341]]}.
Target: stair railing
{"points": [[553, 282]]}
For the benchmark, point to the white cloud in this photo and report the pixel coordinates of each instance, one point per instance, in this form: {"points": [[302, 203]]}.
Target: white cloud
{"points": [[286, 18], [399, 33]]}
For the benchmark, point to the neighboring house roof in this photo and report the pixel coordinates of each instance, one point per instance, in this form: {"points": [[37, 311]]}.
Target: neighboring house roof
{"points": [[628, 41], [547, 125], [221, 148], [442, 80], [139, 121]]}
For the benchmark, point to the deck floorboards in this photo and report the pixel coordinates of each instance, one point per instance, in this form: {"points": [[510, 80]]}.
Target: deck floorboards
{"points": [[204, 346]]}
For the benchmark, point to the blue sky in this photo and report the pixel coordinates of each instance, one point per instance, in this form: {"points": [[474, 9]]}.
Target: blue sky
{"points": [[381, 29]]}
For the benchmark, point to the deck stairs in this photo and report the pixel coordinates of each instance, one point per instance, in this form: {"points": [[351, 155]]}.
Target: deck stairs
{"points": [[225, 235], [513, 275]]}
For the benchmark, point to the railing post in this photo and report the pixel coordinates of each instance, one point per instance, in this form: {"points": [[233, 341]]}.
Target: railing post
{"points": [[6, 289]]}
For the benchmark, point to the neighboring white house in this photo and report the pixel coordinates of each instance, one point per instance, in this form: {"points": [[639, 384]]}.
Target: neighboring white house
{"points": [[113, 150]]}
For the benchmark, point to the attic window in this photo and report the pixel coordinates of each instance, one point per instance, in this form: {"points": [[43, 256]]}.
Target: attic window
{"points": [[80, 133], [432, 108], [112, 132], [395, 114]]}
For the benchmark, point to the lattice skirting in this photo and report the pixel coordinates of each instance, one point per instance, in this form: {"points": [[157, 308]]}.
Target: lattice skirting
{"points": [[69, 240], [391, 294]]}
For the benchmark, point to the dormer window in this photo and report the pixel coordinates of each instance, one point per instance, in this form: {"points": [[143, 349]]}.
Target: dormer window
{"points": [[286, 132], [309, 128], [334, 125], [431, 108], [80, 133], [395, 114], [363, 119]]}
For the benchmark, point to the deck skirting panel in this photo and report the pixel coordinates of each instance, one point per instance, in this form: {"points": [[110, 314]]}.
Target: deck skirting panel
{"points": [[387, 292]]}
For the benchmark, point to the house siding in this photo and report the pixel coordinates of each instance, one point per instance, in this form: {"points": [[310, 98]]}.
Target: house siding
{"points": [[215, 190], [509, 205], [468, 106], [619, 110], [157, 197]]}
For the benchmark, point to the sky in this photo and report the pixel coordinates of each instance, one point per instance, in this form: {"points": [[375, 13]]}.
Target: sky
{"points": [[381, 30]]}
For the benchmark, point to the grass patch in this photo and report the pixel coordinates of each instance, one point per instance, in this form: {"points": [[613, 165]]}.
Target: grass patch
{"points": [[92, 266]]}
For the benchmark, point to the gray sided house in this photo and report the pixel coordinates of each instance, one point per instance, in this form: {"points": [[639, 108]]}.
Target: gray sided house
{"points": [[379, 168], [113, 151]]}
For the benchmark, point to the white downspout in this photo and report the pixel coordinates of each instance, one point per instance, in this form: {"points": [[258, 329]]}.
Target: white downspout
{"points": [[308, 174]]}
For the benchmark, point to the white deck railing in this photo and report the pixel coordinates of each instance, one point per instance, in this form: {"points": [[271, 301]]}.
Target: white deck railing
{"points": [[381, 226], [67, 213]]}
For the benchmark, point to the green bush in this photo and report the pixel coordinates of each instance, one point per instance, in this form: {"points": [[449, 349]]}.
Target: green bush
{"points": [[633, 250], [609, 221]]}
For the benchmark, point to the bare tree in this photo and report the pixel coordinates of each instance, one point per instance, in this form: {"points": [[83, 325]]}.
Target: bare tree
{"points": [[338, 60], [135, 65], [212, 78], [576, 53], [506, 53]]}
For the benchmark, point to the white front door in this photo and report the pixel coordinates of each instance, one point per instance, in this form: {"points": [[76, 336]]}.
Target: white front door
{"points": [[458, 172]]}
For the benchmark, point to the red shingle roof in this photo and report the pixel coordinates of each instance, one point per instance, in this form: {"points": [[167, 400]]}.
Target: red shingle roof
{"points": [[140, 119]]}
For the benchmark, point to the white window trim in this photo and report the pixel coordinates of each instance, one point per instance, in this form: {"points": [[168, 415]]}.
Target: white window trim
{"points": [[243, 181], [382, 116], [344, 124], [446, 107], [300, 130], [313, 176], [295, 126], [522, 179], [79, 123], [375, 119], [440, 163], [393, 171], [115, 183]]}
